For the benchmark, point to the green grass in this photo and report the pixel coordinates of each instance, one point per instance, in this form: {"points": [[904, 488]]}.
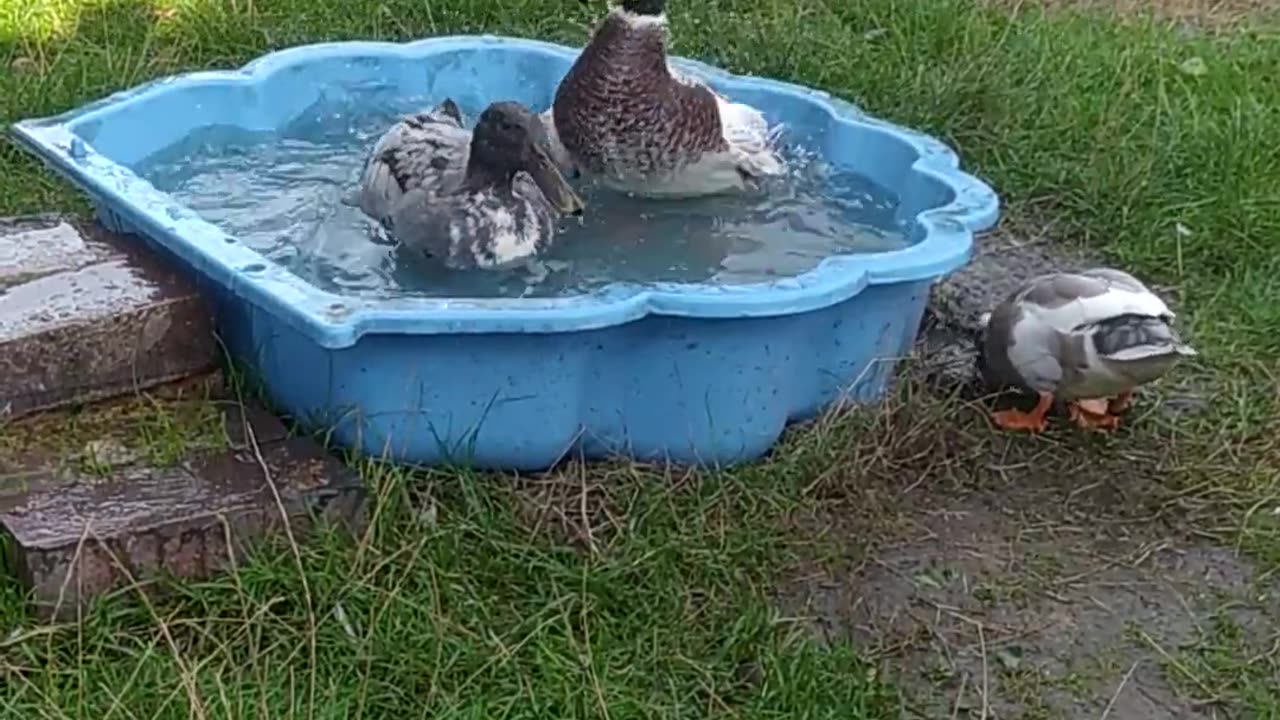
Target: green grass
{"points": [[458, 613], [1097, 133]]}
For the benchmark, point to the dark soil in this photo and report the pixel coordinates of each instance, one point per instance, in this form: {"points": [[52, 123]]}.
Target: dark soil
{"points": [[1003, 576], [1039, 606]]}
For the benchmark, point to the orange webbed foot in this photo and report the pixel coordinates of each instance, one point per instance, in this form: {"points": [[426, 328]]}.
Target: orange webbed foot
{"points": [[1018, 420], [1033, 421], [1093, 415], [1120, 403]]}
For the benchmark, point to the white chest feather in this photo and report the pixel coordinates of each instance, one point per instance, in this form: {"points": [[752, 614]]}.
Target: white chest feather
{"points": [[508, 242]]}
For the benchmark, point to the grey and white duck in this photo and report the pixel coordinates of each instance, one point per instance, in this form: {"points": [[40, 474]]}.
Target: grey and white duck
{"points": [[415, 152], [424, 149], [1088, 338], [625, 117], [486, 199]]}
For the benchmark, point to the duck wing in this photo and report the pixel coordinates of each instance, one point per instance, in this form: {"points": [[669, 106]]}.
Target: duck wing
{"points": [[426, 150], [748, 135], [1143, 330], [745, 130], [1072, 301]]}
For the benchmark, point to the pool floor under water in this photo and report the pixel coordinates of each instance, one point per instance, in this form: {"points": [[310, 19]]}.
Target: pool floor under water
{"points": [[283, 194]]}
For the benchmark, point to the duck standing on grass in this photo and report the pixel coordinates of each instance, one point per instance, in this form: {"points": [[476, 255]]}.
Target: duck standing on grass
{"points": [[487, 199], [625, 117], [1088, 338]]}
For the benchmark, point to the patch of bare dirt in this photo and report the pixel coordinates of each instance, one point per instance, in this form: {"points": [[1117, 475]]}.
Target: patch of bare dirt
{"points": [[989, 606], [996, 575]]}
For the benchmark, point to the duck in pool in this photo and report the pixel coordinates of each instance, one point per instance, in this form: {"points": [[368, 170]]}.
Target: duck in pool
{"points": [[483, 199]]}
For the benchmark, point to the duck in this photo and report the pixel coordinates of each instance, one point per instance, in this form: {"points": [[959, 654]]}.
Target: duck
{"points": [[1088, 338], [625, 117], [423, 150], [415, 152], [499, 208]]}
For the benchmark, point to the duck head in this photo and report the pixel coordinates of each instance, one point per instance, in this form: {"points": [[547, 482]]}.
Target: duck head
{"points": [[509, 138]]}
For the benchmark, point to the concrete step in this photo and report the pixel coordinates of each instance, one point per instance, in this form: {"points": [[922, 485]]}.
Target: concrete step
{"points": [[86, 314], [77, 536]]}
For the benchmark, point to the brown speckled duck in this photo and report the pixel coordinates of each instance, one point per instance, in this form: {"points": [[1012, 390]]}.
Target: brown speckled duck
{"points": [[626, 118], [1087, 338]]}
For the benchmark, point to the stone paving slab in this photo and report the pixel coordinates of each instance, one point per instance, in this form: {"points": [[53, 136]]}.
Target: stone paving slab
{"points": [[78, 536], [86, 314]]}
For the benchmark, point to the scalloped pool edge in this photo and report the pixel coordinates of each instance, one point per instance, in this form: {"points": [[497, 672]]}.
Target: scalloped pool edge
{"points": [[336, 321]]}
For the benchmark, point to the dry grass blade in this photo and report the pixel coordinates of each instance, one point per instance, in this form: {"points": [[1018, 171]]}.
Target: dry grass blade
{"points": [[1106, 712]]}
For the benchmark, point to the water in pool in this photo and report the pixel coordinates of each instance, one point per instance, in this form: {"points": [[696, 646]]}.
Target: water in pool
{"points": [[283, 195]]}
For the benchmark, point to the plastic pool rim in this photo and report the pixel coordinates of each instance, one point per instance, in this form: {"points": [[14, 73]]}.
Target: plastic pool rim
{"points": [[337, 321]]}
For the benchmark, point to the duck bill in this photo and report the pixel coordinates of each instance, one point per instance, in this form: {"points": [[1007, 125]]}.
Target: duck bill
{"points": [[553, 185]]}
